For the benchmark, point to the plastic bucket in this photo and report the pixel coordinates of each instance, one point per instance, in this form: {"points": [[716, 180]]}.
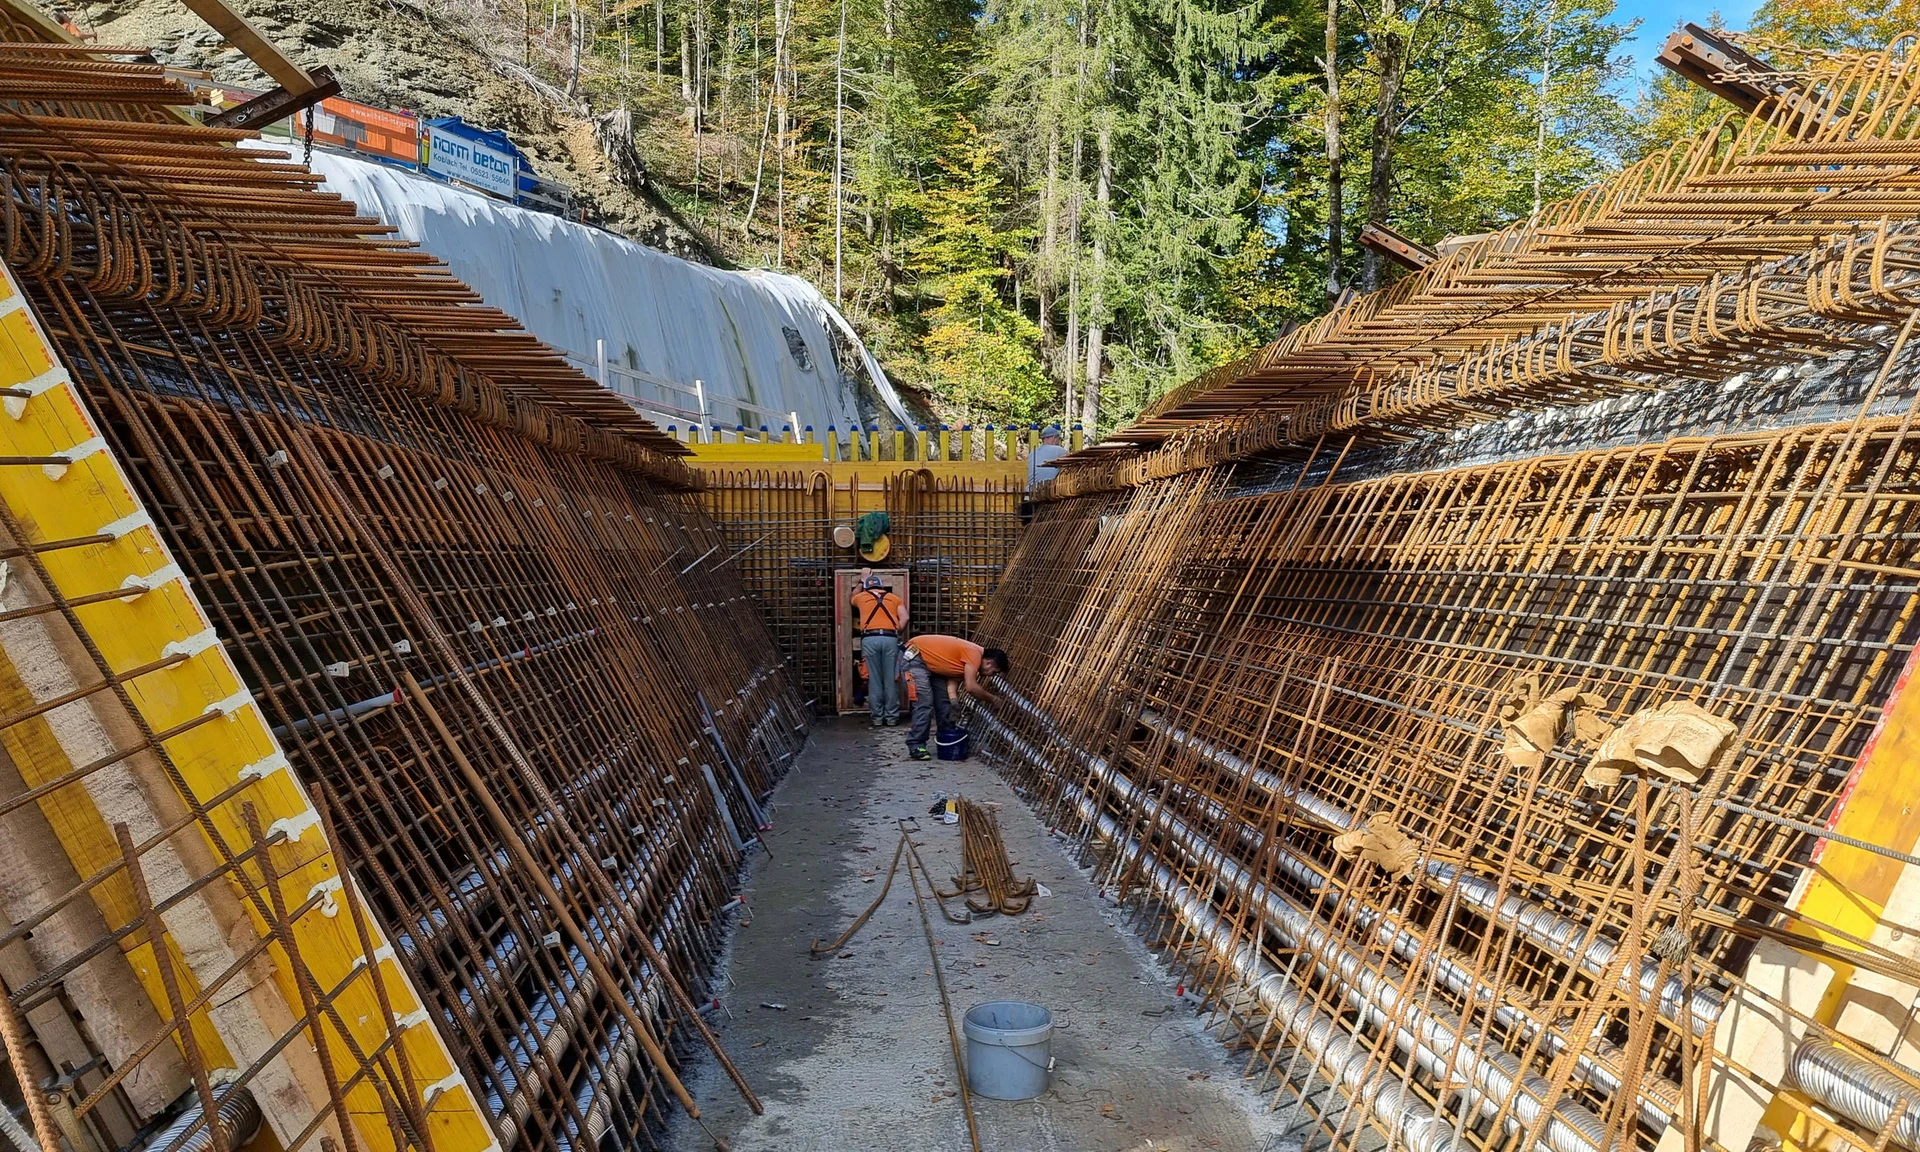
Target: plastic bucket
{"points": [[1009, 1049], [952, 744]]}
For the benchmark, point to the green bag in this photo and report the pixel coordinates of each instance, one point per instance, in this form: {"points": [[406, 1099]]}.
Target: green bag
{"points": [[871, 527]]}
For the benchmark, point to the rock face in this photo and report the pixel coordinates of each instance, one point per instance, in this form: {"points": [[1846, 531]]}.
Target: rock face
{"points": [[403, 55]]}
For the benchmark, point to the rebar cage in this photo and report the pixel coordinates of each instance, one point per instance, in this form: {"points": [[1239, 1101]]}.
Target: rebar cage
{"points": [[371, 725], [1342, 732]]}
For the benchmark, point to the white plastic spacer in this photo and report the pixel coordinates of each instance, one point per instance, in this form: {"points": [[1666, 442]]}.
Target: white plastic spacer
{"points": [[135, 585], [192, 646], [231, 704], [440, 485], [339, 669], [265, 766], [127, 523], [72, 456], [402, 647], [47, 381], [296, 826], [278, 457], [329, 907], [453, 1080], [385, 472]]}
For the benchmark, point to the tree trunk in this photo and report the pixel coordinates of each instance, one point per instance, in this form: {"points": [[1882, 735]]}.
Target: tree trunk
{"points": [[782, 21], [1546, 80], [1335, 242], [1044, 268], [577, 39], [1392, 56], [659, 43], [1070, 360], [1097, 305], [839, 144], [686, 65]]}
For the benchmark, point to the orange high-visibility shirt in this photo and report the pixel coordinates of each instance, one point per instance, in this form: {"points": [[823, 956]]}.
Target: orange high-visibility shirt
{"points": [[876, 609], [947, 655]]}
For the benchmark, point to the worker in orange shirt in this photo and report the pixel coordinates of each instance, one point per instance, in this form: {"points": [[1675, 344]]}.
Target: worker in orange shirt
{"points": [[938, 665], [882, 620]]}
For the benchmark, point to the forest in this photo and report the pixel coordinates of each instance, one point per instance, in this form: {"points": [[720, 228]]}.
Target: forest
{"points": [[1038, 208]]}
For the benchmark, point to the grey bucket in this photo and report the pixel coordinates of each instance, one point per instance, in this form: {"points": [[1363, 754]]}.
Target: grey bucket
{"points": [[1009, 1049]]}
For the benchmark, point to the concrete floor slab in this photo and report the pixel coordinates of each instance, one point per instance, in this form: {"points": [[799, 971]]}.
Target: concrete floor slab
{"points": [[857, 1056]]}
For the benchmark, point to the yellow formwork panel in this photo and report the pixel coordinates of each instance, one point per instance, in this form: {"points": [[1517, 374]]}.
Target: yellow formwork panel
{"points": [[159, 620], [1846, 889], [89, 844], [859, 486]]}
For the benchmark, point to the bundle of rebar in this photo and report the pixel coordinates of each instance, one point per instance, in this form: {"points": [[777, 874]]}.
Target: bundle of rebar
{"points": [[459, 607], [985, 867]]}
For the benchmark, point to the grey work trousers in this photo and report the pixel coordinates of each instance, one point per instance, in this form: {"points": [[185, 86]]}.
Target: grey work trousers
{"points": [[882, 653], [929, 700]]}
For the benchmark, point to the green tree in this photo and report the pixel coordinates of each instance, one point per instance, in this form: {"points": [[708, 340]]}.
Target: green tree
{"points": [[980, 354]]}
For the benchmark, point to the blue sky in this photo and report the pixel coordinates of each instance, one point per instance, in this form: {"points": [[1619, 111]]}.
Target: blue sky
{"points": [[1659, 17]]}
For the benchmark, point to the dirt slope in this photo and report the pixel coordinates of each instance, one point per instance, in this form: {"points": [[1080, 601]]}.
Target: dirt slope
{"points": [[398, 54]]}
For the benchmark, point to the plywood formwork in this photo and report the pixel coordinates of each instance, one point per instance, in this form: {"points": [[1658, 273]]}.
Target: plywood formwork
{"points": [[1322, 659], [369, 734]]}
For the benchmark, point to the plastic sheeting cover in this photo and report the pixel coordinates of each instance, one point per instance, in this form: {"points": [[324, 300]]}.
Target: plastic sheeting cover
{"points": [[661, 316]]}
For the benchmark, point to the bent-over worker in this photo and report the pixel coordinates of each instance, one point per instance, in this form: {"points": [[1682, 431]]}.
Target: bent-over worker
{"points": [[936, 664], [882, 620]]}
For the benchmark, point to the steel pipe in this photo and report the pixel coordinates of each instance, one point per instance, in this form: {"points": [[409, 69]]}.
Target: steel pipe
{"points": [[1432, 1036]]}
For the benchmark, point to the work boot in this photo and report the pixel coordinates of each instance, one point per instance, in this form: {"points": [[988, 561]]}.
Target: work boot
{"points": [[879, 723], [919, 754]]}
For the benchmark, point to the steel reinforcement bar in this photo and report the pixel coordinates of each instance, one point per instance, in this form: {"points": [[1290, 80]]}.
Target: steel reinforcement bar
{"points": [[448, 614], [1222, 689]]}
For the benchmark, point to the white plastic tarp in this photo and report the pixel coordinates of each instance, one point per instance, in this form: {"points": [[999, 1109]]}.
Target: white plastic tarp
{"points": [[753, 336]]}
